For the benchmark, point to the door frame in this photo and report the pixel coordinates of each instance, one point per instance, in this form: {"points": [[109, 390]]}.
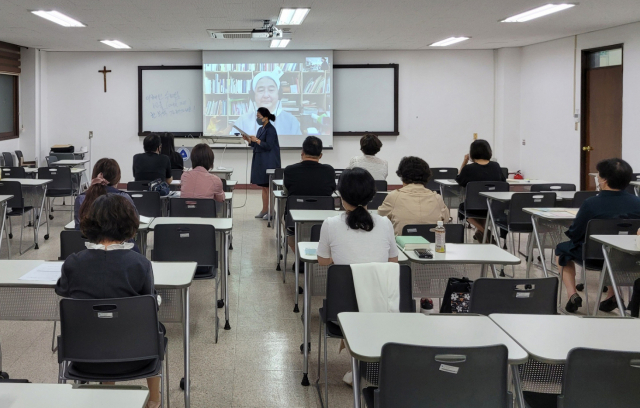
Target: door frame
{"points": [[583, 102]]}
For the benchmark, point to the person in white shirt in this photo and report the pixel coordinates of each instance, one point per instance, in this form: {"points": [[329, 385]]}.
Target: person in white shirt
{"points": [[370, 145], [356, 236]]}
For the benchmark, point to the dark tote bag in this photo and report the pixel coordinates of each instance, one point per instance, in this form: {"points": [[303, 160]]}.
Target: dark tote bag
{"points": [[457, 296]]}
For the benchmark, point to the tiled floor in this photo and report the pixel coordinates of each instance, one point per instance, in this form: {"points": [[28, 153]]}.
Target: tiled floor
{"points": [[255, 364]]}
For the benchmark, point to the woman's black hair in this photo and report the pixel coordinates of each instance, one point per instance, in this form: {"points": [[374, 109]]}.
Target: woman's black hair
{"points": [[266, 114], [357, 187], [111, 217], [370, 144], [168, 146], [413, 170], [480, 150], [617, 172]]}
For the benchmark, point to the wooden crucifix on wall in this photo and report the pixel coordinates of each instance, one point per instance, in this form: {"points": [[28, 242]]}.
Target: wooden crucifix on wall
{"points": [[104, 71]]}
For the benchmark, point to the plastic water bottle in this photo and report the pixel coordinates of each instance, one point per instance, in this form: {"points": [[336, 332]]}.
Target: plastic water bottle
{"points": [[440, 237]]}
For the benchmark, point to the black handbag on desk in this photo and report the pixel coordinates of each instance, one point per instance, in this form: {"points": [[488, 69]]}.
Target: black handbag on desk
{"points": [[457, 296]]}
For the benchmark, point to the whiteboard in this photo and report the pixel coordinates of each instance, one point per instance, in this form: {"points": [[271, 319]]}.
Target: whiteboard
{"points": [[170, 99], [365, 99]]}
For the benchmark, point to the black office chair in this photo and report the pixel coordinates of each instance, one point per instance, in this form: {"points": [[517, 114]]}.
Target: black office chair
{"points": [[454, 233], [65, 156], [176, 174], [278, 174], [13, 172], [381, 185], [601, 378], [440, 173], [8, 159], [341, 297], [413, 377], [111, 340], [192, 207], [505, 172], [553, 187], [474, 205], [138, 185], [71, 242], [377, 201], [189, 243], [22, 162], [61, 186], [581, 196], [50, 160], [631, 189], [514, 296], [18, 209], [147, 203], [593, 258]]}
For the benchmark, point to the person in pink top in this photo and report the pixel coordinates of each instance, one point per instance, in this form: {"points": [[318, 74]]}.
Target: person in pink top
{"points": [[198, 182]]}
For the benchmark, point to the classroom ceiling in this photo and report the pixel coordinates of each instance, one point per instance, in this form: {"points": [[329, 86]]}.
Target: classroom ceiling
{"points": [[166, 25]]}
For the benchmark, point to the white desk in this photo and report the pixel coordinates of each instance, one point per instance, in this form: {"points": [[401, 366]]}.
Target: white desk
{"points": [[40, 302], [366, 333], [274, 185], [457, 190], [556, 219], [224, 173], [3, 214], [629, 245], [223, 227], [35, 184], [636, 187], [70, 163], [306, 315], [14, 395], [74, 170]]}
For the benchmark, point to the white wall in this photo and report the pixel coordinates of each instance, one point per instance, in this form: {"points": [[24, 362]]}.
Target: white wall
{"points": [[507, 107], [445, 96]]}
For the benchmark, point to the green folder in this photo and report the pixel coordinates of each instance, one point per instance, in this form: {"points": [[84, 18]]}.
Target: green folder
{"points": [[415, 241]]}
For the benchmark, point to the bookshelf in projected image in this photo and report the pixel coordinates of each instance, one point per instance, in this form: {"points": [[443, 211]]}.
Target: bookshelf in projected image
{"points": [[303, 93]]}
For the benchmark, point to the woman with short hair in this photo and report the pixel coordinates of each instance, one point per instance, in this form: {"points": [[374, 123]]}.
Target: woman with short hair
{"points": [[198, 182], [370, 145]]}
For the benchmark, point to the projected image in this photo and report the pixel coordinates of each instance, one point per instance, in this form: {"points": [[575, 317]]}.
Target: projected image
{"points": [[297, 93]]}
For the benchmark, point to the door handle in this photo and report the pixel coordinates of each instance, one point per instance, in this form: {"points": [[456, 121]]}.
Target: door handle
{"points": [[587, 148]]}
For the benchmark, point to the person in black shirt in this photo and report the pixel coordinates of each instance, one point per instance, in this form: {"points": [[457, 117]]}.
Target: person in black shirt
{"points": [[614, 175], [109, 268], [151, 165], [168, 149], [480, 169]]}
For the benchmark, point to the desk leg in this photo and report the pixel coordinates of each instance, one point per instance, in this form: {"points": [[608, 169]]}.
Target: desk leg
{"points": [[279, 244], [226, 281], [355, 370], [186, 340], [231, 216], [270, 194], [605, 252], [494, 229], [295, 227], [305, 314], [4, 217], [534, 222], [529, 255], [37, 227], [517, 386]]}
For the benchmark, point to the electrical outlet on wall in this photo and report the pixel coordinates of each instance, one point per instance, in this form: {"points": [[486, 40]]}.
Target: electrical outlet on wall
{"points": [[91, 134]]}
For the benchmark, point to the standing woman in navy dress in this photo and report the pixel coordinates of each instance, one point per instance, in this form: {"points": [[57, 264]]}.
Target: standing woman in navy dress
{"points": [[266, 155]]}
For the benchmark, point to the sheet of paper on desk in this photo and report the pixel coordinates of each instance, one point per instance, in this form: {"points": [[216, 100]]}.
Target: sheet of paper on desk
{"points": [[559, 214], [48, 272], [310, 251], [145, 220]]}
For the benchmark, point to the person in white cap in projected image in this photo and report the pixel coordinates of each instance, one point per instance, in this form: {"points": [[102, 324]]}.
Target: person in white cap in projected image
{"points": [[265, 92]]}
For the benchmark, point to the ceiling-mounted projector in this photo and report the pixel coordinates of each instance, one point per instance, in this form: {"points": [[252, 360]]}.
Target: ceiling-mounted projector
{"points": [[268, 32]]}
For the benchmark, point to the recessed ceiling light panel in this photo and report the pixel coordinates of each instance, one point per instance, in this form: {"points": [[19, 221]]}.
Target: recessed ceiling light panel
{"points": [[538, 12], [115, 44], [449, 41], [292, 16], [279, 43], [58, 18]]}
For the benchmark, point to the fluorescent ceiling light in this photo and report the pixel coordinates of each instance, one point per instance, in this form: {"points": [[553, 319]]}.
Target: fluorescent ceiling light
{"points": [[279, 43], [449, 41], [292, 16], [538, 12], [58, 18], [115, 44]]}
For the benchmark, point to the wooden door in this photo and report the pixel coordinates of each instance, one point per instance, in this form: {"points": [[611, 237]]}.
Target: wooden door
{"points": [[602, 131]]}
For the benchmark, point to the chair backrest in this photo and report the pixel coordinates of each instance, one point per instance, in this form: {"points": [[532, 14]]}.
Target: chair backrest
{"points": [[225, 188], [8, 159], [279, 174], [51, 159], [453, 377], [517, 217], [440, 173], [553, 187], [110, 330], [192, 207], [176, 174], [514, 296], [601, 378], [341, 293], [61, 177], [20, 157], [13, 188], [377, 201], [147, 203], [592, 250], [71, 242], [315, 233], [308, 203], [138, 185], [13, 172], [581, 196], [454, 233], [505, 172], [65, 156], [185, 243], [473, 201], [381, 185]]}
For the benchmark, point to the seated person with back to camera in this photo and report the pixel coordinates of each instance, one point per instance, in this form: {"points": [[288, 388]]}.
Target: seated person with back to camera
{"points": [[151, 165]]}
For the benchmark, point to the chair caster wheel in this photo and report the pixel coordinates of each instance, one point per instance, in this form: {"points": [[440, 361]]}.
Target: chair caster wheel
{"points": [[50, 216], [10, 236], [300, 290], [605, 290], [220, 303], [4, 376], [182, 384], [580, 287], [302, 347], [46, 236]]}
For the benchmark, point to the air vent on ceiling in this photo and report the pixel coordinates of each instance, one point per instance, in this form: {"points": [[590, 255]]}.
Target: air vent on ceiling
{"points": [[230, 34]]}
